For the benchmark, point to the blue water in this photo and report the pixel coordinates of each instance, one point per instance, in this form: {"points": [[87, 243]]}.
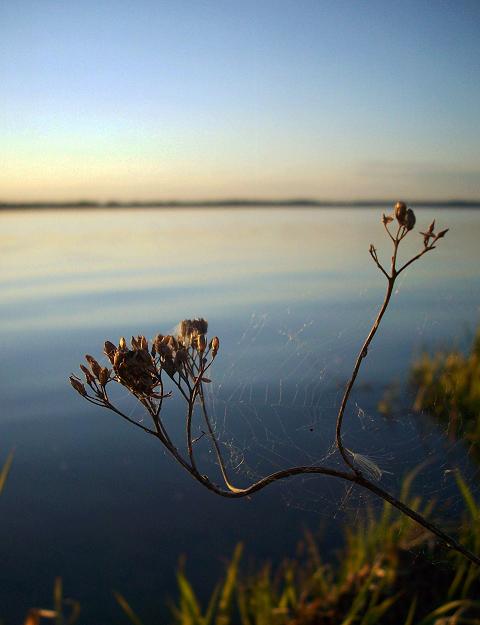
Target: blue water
{"points": [[291, 294]]}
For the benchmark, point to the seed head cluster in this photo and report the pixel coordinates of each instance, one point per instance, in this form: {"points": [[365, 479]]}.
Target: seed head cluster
{"points": [[183, 357], [406, 220]]}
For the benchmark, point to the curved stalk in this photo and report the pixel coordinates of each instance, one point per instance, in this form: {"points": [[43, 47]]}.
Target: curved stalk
{"points": [[352, 475], [362, 354]]}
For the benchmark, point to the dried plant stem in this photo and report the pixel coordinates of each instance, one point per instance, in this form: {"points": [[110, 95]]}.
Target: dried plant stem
{"points": [[185, 360], [356, 477], [362, 354]]}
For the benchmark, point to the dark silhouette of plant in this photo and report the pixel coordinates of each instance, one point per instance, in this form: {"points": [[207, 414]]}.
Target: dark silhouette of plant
{"points": [[186, 358]]}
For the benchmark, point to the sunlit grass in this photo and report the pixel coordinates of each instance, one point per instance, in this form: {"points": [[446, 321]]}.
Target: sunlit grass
{"points": [[387, 573], [447, 384]]}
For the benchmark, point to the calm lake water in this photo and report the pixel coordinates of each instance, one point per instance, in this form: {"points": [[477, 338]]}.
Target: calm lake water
{"points": [[291, 294]]}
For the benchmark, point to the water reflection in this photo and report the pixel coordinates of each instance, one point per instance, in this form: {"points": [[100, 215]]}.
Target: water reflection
{"points": [[290, 293]]}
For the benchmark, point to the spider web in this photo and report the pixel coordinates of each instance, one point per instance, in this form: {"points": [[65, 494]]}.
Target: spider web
{"points": [[273, 403]]}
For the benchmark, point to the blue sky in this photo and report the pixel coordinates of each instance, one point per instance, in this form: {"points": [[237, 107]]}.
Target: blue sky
{"points": [[150, 99]]}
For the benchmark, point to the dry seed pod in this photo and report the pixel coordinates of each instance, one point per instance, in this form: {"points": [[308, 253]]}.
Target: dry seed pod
{"points": [[94, 366], [214, 345], [103, 376], [109, 350], [88, 375], [200, 325], [156, 344], [410, 219], [118, 359], [172, 342], [201, 343], [180, 358], [185, 329], [122, 343], [162, 346], [78, 386], [401, 213]]}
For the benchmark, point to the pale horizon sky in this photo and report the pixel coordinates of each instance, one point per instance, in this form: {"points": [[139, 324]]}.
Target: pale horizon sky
{"points": [[140, 100]]}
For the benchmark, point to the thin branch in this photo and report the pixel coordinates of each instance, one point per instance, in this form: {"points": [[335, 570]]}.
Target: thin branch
{"points": [[385, 225], [412, 260], [216, 446], [374, 256], [111, 407], [191, 405]]}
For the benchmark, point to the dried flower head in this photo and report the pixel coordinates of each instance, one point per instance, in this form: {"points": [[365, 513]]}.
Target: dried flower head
{"points": [[135, 369], [189, 328]]}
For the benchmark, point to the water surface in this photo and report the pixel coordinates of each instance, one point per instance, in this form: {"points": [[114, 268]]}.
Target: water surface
{"points": [[291, 294]]}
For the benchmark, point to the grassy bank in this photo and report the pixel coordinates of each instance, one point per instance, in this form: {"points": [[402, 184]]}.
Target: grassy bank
{"points": [[447, 386], [390, 571]]}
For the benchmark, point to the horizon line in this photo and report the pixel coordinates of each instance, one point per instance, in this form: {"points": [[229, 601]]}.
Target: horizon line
{"points": [[231, 202]]}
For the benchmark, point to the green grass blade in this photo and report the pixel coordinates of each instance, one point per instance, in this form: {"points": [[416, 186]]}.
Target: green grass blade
{"points": [[212, 606], [411, 612], [188, 601], [289, 594], [460, 573], [123, 603], [243, 605], [467, 496], [431, 618], [360, 601], [224, 604], [375, 613]]}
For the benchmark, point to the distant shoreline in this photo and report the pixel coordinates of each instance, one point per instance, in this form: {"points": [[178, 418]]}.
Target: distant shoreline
{"points": [[233, 203]]}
